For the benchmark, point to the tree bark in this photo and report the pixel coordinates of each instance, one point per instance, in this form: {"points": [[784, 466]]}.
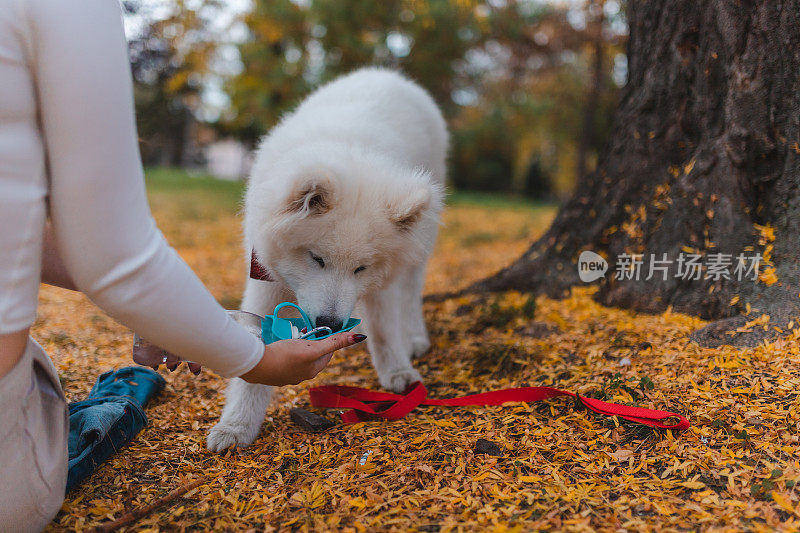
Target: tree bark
{"points": [[705, 151]]}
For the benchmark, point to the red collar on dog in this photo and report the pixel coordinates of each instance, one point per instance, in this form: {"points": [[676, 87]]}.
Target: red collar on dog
{"points": [[365, 404], [257, 270]]}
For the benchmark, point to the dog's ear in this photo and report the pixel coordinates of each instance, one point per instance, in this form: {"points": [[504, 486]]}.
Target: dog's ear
{"points": [[408, 210], [311, 197]]}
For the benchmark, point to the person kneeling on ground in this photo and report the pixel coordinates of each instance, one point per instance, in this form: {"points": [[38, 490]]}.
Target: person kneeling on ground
{"points": [[68, 153]]}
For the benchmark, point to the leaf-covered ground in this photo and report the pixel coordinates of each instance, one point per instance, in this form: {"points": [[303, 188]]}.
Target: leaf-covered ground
{"points": [[561, 468]]}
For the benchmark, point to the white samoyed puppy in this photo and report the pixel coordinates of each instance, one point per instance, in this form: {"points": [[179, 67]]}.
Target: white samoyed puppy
{"points": [[342, 209]]}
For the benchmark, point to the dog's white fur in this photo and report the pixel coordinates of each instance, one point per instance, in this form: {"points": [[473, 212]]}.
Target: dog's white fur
{"points": [[354, 177]]}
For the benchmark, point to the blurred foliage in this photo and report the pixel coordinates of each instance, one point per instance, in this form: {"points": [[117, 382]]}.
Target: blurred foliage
{"points": [[170, 55], [514, 78]]}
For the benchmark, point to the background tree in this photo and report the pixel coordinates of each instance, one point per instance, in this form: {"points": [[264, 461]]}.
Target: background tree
{"points": [[704, 157], [510, 76], [172, 51]]}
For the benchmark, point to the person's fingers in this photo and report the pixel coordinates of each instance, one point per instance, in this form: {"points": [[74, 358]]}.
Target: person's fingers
{"points": [[147, 354], [319, 364], [335, 342]]}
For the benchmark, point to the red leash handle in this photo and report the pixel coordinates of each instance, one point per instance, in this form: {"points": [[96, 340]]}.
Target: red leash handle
{"points": [[382, 404], [364, 404]]}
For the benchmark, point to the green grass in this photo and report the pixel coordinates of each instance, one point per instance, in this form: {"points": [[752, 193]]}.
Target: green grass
{"points": [[494, 200], [172, 179], [179, 184], [192, 195], [176, 182]]}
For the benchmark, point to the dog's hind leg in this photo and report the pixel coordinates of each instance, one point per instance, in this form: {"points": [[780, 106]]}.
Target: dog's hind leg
{"points": [[246, 403], [413, 318], [389, 343]]}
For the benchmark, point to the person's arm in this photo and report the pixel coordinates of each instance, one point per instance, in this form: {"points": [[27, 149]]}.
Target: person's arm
{"points": [[102, 225], [53, 270]]}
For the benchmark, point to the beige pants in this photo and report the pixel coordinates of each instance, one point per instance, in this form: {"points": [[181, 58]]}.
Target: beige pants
{"points": [[34, 424]]}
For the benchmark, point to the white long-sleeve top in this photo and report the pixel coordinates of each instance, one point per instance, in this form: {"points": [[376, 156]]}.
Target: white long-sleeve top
{"points": [[68, 149]]}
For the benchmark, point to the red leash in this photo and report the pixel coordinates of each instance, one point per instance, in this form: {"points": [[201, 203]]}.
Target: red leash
{"points": [[364, 404]]}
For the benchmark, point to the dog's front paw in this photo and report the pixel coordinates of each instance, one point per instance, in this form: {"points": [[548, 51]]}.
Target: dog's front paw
{"points": [[224, 436], [399, 379]]}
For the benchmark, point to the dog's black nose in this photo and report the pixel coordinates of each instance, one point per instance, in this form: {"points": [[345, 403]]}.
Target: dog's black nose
{"points": [[329, 321]]}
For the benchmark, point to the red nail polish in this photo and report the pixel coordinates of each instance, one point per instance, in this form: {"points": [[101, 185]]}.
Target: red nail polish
{"points": [[358, 337]]}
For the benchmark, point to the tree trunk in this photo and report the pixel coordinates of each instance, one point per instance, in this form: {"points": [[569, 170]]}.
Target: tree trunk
{"points": [[705, 153]]}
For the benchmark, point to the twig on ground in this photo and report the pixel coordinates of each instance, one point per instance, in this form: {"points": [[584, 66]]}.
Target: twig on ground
{"points": [[145, 510]]}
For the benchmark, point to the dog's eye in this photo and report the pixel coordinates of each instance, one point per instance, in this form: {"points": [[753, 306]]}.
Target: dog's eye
{"points": [[362, 268], [318, 259]]}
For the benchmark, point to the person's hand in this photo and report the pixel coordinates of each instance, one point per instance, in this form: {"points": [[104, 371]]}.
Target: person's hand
{"points": [[289, 362], [147, 354]]}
